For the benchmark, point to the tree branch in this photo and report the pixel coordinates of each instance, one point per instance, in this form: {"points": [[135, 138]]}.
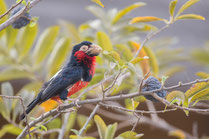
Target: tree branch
{"points": [[12, 19], [114, 98], [10, 9], [23, 107]]}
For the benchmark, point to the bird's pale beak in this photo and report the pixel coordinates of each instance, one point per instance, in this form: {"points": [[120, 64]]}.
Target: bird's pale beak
{"points": [[94, 50]]}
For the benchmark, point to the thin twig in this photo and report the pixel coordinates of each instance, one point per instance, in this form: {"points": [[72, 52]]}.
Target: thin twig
{"points": [[106, 92], [47, 132], [148, 37], [10, 9], [135, 111], [136, 123], [23, 107], [54, 117], [64, 124]]}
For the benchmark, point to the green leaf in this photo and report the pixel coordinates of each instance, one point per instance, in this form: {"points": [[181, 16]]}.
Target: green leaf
{"points": [[33, 21], [172, 7], [190, 16], [79, 137], [124, 51], [71, 31], [202, 75], [42, 127], [101, 126], [12, 74], [164, 78], [45, 44], [57, 57], [175, 94], [11, 36], [131, 104], [26, 39], [200, 95], [81, 119], [110, 131], [9, 128], [140, 99], [145, 19], [138, 59], [97, 11], [185, 6], [113, 54], [196, 88], [6, 89], [104, 41], [126, 10], [56, 123], [71, 122], [3, 8], [98, 2], [152, 60], [177, 133], [128, 135], [75, 131]]}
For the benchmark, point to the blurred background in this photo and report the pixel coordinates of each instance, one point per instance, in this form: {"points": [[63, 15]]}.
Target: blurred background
{"points": [[189, 35]]}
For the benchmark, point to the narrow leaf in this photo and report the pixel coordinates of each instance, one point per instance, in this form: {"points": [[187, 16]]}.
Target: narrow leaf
{"points": [[185, 6], [152, 60], [101, 126], [59, 53], [104, 41], [177, 133], [98, 2], [138, 59], [202, 75], [145, 63], [45, 44], [172, 7], [145, 19], [126, 10], [26, 40], [190, 16], [110, 132], [200, 95], [196, 88], [175, 94], [7, 89]]}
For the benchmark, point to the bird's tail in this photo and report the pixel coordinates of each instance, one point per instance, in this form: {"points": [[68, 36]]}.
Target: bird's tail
{"points": [[30, 107]]}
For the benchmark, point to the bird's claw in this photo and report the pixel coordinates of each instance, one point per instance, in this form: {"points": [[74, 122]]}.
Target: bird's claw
{"points": [[65, 111], [75, 101]]}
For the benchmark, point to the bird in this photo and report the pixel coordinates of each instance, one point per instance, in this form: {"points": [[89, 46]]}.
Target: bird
{"points": [[73, 76]]}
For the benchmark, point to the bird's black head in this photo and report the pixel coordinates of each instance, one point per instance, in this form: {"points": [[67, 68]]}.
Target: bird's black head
{"points": [[88, 48]]}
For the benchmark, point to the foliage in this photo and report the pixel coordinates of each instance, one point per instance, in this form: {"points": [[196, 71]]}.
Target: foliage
{"points": [[35, 56]]}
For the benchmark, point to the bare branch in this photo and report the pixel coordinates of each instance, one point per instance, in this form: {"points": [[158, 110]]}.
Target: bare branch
{"points": [[149, 36], [10, 9], [64, 124], [135, 111], [23, 107]]}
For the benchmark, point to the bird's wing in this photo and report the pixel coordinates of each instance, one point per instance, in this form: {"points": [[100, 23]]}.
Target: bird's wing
{"points": [[60, 81]]}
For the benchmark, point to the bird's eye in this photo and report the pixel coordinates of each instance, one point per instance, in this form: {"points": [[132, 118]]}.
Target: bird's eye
{"points": [[84, 48]]}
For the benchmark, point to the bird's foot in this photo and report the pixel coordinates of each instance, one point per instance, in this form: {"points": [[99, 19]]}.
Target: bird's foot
{"points": [[64, 111], [75, 101]]}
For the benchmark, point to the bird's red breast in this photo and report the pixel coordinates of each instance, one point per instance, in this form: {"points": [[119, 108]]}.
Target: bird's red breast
{"points": [[90, 62]]}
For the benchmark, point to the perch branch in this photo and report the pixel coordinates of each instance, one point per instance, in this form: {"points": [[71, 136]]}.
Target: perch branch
{"points": [[114, 98]]}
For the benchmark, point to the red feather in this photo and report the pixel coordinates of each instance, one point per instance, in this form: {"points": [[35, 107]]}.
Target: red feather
{"points": [[91, 63]]}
